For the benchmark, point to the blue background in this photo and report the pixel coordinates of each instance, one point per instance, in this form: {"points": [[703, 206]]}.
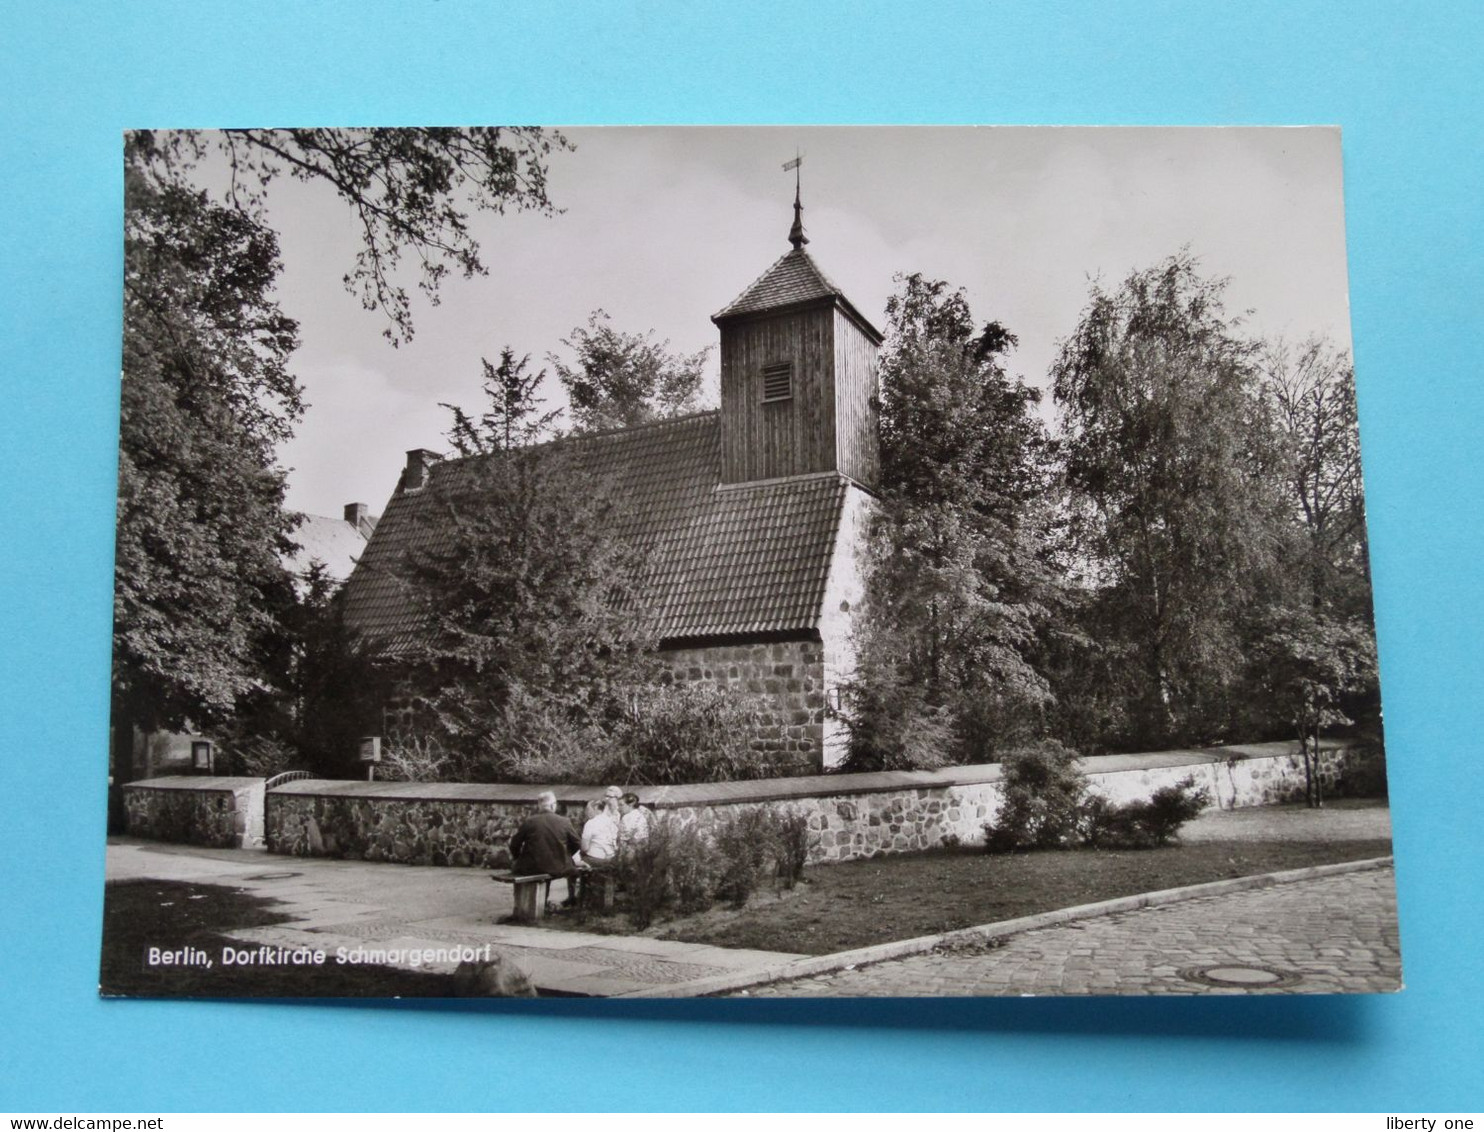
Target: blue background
{"points": [[1403, 81]]}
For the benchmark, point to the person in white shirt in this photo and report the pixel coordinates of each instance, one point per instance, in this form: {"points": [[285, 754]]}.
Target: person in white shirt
{"points": [[600, 835]]}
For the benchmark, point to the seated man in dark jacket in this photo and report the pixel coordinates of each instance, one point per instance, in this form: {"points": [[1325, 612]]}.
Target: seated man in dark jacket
{"points": [[544, 843]]}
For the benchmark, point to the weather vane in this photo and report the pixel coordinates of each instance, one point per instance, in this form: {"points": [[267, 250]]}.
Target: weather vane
{"points": [[796, 234]]}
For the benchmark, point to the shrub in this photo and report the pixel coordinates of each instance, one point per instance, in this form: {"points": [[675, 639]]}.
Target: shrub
{"points": [[1364, 773], [686, 867], [1044, 795], [746, 851], [259, 756], [692, 867], [1170, 807], [1047, 806], [791, 841], [644, 871], [1144, 825], [556, 752], [530, 739], [659, 735], [412, 757], [891, 725], [686, 733]]}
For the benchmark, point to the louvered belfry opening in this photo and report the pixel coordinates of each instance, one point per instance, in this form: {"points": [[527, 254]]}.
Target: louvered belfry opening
{"points": [[778, 381]]}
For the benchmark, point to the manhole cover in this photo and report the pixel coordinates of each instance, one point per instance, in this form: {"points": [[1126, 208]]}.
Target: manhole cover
{"points": [[1233, 975], [271, 876]]}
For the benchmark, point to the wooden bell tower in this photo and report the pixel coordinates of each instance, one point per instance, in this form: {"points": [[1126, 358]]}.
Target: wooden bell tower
{"points": [[798, 375]]}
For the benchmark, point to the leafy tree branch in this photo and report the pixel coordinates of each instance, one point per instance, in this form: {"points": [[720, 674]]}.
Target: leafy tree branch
{"points": [[412, 191]]}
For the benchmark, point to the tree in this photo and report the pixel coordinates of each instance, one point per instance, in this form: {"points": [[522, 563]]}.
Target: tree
{"points": [[322, 691], [1316, 657], [514, 418], [616, 380], [408, 188], [1312, 393], [538, 626], [1173, 479], [1309, 663], [206, 396], [958, 582]]}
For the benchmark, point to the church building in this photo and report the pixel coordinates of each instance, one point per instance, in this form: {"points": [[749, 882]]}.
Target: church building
{"points": [[752, 515]]}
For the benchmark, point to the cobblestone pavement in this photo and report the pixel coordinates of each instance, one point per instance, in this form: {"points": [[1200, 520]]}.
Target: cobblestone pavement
{"points": [[1328, 935]]}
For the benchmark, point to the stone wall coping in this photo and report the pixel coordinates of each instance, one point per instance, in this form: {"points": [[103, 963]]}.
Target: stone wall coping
{"points": [[1196, 756], [757, 790], [196, 782], [522, 793]]}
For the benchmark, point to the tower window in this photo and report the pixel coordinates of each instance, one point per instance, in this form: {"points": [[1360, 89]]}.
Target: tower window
{"points": [[778, 381]]}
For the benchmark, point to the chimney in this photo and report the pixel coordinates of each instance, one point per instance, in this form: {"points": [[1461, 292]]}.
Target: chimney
{"points": [[358, 515], [420, 463]]}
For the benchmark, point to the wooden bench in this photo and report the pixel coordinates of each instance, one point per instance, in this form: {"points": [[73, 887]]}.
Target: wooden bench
{"points": [[599, 887], [530, 894]]}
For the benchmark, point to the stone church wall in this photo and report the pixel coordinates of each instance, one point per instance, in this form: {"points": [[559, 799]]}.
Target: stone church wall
{"points": [[784, 680]]}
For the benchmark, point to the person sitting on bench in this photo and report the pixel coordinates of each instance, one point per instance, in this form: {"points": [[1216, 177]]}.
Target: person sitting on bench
{"points": [[633, 822], [544, 843], [600, 835]]}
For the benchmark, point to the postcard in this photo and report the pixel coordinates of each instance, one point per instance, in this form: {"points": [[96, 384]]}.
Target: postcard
{"points": [[742, 562]]}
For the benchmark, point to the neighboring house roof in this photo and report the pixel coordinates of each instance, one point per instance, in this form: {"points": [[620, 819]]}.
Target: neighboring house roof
{"points": [[333, 543], [727, 560], [795, 278]]}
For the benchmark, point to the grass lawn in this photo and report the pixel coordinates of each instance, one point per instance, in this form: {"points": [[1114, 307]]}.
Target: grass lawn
{"points": [[860, 903], [138, 915]]}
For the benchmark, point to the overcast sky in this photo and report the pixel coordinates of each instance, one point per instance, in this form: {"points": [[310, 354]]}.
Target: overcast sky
{"points": [[663, 227]]}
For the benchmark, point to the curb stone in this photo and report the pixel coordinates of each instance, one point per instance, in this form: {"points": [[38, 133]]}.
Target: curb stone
{"points": [[984, 933]]}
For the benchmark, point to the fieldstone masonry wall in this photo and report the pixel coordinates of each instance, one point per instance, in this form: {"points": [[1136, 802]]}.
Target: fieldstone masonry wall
{"points": [[410, 829], [844, 826], [1252, 775], [220, 812], [850, 815], [785, 681]]}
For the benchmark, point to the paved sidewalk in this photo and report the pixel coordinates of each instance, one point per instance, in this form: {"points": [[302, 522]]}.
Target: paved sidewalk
{"points": [[1334, 933], [1329, 935], [353, 903]]}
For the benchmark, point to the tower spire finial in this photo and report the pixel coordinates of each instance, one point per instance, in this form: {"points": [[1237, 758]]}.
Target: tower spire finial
{"points": [[796, 235]]}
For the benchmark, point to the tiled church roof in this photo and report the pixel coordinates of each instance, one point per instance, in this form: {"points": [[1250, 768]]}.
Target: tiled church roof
{"points": [[725, 560]]}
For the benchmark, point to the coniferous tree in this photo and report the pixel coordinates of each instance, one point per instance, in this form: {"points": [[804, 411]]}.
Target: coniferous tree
{"points": [[959, 582], [513, 417], [538, 626]]}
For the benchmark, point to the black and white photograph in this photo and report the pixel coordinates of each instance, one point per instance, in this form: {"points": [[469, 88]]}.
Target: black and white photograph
{"points": [[753, 562]]}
